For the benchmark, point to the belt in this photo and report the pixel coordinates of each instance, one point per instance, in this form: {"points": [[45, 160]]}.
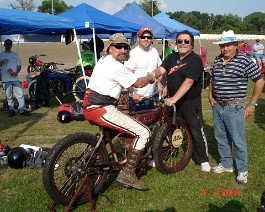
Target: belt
{"points": [[225, 103]]}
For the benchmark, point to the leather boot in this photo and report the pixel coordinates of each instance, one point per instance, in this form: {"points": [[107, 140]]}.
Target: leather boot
{"points": [[127, 176]]}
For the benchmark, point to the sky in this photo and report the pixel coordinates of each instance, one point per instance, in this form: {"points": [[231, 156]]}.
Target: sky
{"points": [[241, 8]]}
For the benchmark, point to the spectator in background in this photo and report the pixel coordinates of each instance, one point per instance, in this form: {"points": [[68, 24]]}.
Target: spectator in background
{"points": [[88, 58], [168, 49], [245, 48], [99, 46], [258, 54], [10, 64]]}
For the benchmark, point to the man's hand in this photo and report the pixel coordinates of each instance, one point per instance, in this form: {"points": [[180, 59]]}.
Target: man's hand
{"points": [[249, 111], [137, 97], [169, 101]]}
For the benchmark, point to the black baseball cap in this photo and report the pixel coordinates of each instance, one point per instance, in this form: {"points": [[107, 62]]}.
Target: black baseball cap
{"points": [[8, 41]]}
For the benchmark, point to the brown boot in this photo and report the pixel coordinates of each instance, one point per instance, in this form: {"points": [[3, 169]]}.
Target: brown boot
{"points": [[127, 176]]}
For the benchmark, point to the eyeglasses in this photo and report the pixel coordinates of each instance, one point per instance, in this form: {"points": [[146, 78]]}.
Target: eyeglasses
{"points": [[149, 37], [8, 44], [180, 41], [127, 47]]}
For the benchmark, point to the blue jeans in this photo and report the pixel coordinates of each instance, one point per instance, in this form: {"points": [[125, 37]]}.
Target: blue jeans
{"points": [[143, 105], [14, 87], [229, 129]]}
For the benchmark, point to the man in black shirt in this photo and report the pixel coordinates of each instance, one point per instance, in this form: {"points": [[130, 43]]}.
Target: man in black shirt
{"points": [[184, 72]]}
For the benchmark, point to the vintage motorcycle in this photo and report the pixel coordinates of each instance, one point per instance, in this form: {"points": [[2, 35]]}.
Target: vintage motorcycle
{"points": [[77, 167], [57, 83], [35, 65]]}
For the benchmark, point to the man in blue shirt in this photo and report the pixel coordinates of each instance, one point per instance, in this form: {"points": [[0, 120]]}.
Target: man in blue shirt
{"points": [[258, 53]]}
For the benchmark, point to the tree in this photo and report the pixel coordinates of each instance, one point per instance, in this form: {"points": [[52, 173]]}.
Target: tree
{"points": [[59, 6], [23, 5], [147, 6], [255, 21]]}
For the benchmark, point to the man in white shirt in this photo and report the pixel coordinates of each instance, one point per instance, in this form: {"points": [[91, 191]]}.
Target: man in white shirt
{"points": [[143, 59], [10, 64], [108, 79]]}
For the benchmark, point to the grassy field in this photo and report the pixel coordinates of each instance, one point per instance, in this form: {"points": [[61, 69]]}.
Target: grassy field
{"points": [[189, 190]]}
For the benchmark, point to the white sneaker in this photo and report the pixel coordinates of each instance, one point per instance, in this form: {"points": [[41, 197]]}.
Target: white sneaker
{"points": [[221, 169], [152, 163], [242, 177], [206, 167]]}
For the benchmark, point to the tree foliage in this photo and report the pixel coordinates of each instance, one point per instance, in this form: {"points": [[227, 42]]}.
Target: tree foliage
{"points": [[59, 6], [253, 23], [151, 7], [23, 5]]}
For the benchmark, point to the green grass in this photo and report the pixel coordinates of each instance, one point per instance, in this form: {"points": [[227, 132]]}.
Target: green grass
{"points": [[188, 190]]}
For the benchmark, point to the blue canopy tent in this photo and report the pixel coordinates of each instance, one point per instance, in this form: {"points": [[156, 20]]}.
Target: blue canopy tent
{"points": [[89, 20], [28, 22], [168, 21], [136, 14]]}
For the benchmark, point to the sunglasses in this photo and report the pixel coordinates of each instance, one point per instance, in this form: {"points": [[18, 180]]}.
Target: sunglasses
{"points": [[180, 41], [127, 47], [149, 37]]}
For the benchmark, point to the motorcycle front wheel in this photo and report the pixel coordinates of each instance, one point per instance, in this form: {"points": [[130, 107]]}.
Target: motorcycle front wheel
{"points": [[79, 88], [172, 154], [32, 88], [64, 168]]}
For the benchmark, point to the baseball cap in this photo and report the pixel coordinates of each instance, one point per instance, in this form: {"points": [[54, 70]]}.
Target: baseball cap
{"points": [[257, 40], [86, 44], [145, 29], [116, 38], [7, 41]]}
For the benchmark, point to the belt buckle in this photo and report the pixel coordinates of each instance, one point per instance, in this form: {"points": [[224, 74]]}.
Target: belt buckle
{"points": [[223, 104]]}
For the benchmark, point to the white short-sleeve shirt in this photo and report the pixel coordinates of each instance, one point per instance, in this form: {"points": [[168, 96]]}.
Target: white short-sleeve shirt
{"points": [[110, 76], [141, 62]]}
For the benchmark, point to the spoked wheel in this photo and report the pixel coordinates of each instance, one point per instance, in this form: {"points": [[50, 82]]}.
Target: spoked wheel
{"points": [[64, 168], [172, 154], [79, 88]]}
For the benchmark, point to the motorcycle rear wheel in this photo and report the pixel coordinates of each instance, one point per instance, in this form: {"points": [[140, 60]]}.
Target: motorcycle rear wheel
{"points": [[79, 88], [64, 168], [170, 158]]}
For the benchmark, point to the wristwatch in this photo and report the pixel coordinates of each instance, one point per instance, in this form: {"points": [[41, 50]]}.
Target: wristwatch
{"points": [[253, 104]]}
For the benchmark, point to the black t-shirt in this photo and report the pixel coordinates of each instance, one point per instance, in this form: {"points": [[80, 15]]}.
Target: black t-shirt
{"points": [[193, 70]]}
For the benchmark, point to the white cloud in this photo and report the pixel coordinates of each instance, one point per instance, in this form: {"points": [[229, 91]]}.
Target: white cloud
{"points": [[110, 7], [163, 6]]}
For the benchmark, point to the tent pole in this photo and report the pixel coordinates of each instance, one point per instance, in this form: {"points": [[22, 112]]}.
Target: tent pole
{"points": [[95, 46], [163, 56], [18, 38], [79, 55]]}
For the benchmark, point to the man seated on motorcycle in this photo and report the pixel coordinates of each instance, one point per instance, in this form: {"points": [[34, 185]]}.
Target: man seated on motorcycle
{"points": [[108, 79], [88, 58]]}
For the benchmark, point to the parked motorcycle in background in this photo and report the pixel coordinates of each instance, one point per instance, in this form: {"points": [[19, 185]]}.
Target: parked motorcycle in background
{"points": [[36, 65]]}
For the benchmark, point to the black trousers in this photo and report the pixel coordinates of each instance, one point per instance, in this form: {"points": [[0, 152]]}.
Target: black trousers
{"points": [[191, 111]]}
